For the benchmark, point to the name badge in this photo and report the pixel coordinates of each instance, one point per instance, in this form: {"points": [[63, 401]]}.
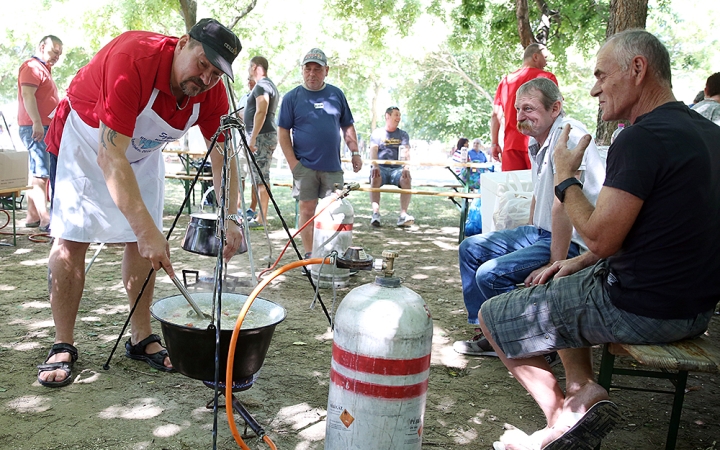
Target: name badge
{"points": [[319, 105]]}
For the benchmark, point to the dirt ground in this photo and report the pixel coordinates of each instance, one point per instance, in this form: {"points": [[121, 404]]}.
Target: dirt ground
{"points": [[130, 406]]}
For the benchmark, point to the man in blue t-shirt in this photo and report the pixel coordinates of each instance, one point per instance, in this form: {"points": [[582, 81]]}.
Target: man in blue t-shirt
{"points": [[316, 112], [390, 143]]}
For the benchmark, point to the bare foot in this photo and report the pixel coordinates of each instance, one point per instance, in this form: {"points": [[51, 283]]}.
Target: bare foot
{"points": [[581, 398], [58, 374]]}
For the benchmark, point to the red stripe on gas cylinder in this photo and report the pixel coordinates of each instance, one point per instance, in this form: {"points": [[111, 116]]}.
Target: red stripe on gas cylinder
{"points": [[378, 390], [333, 226], [380, 366]]}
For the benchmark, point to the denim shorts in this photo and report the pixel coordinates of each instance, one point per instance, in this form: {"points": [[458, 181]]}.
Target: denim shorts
{"points": [[390, 175], [310, 184], [266, 144], [574, 312], [39, 158]]}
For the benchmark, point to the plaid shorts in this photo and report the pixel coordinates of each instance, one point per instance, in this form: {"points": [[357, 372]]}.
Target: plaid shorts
{"points": [[266, 144], [574, 312]]}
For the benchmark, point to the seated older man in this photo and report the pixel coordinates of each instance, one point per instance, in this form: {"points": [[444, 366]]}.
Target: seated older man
{"points": [[651, 275], [496, 262]]}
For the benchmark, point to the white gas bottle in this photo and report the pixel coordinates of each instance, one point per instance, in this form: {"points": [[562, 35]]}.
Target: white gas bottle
{"points": [[333, 231], [382, 343]]}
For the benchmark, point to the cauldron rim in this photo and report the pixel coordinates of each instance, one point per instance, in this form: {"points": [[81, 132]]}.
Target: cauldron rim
{"points": [[197, 296]]}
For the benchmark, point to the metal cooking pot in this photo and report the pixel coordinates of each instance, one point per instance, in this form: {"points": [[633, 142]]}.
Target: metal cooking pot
{"points": [[200, 235], [192, 350]]}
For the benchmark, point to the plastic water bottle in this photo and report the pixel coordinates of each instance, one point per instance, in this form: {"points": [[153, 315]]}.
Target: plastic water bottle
{"points": [[621, 126]]}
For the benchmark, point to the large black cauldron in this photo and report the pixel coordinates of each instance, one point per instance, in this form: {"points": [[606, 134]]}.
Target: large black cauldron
{"points": [[192, 350]]}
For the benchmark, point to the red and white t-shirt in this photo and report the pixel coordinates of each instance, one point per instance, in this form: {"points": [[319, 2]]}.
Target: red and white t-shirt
{"points": [[505, 97], [115, 86]]}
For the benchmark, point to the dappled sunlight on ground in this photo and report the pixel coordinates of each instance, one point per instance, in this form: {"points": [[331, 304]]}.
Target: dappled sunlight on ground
{"points": [[36, 304], [463, 436], [313, 433], [90, 319], [117, 287], [298, 416], [327, 336], [35, 262], [5, 287], [25, 346], [442, 351], [33, 325], [137, 409], [87, 376], [169, 430], [30, 404], [113, 309]]}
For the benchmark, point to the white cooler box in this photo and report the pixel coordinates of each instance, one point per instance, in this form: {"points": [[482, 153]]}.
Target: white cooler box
{"points": [[490, 182], [13, 169]]}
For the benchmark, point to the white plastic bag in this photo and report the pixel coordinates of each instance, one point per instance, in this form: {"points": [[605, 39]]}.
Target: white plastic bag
{"points": [[513, 208]]}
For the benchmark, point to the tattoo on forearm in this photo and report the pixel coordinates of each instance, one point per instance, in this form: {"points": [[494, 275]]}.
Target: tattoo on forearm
{"points": [[107, 135]]}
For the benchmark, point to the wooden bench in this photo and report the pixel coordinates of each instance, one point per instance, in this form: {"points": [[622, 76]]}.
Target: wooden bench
{"points": [[13, 193], [674, 361], [462, 205]]}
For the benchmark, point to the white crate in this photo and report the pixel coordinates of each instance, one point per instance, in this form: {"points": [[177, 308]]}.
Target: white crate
{"points": [[14, 170]]}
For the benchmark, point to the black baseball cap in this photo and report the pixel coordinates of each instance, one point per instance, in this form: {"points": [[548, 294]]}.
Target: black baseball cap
{"points": [[220, 44]]}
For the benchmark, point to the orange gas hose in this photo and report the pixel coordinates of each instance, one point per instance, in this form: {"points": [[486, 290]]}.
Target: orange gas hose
{"points": [[233, 343]]}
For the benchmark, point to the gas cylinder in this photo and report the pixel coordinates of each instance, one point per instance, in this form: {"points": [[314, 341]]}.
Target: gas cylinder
{"points": [[380, 366], [333, 231]]}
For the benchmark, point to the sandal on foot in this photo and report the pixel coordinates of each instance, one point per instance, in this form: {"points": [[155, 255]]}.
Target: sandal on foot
{"points": [[155, 360], [65, 366]]}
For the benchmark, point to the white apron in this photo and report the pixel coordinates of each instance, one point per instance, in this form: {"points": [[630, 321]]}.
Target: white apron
{"points": [[83, 210]]}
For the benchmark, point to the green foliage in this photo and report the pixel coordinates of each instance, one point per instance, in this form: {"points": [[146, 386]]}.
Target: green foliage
{"points": [[378, 16]]}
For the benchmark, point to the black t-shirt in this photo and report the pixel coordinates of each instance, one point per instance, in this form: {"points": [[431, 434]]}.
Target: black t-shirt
{"points": [[264, 86], [669, 264]]}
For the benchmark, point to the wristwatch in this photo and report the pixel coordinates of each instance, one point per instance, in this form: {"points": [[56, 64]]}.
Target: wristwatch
{"points": [[355, 154], [234, 218], [562, 187]]}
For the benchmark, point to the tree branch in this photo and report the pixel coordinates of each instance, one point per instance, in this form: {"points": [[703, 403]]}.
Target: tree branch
{"points": [[243, 13]]}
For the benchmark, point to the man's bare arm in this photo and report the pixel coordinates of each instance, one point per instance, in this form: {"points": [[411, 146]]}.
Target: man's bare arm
{"points": [[31, 107], [350, 137], [604, 226], [125, 192], [261, 107], [286, 146], [495, 147]]}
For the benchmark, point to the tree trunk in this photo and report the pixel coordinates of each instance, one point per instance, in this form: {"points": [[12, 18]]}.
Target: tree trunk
{"points": [[624, 14], [188, 9], [523, 22]]}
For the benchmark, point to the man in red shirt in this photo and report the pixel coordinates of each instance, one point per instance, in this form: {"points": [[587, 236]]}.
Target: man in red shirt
{"points": [[37, 98], [139, 92], [513, 153]]}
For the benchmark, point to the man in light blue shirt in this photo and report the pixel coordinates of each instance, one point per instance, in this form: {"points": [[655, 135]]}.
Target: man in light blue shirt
{"points": [[311, 118]]}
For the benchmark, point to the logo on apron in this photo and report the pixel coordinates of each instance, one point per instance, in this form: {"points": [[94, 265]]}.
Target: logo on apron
{"points": [[145, 145]]}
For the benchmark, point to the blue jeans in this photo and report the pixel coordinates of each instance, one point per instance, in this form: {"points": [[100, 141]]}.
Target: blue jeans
{"points": [[39, 159], [494, 263]]}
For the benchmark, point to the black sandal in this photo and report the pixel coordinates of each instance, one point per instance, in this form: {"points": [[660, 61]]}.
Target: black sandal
{"points": [[155, 360], [62, 365]]}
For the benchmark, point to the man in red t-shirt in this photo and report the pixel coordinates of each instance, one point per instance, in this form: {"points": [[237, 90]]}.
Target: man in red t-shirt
{"points": [[513, 153], [37, 98], [139, 92]]}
